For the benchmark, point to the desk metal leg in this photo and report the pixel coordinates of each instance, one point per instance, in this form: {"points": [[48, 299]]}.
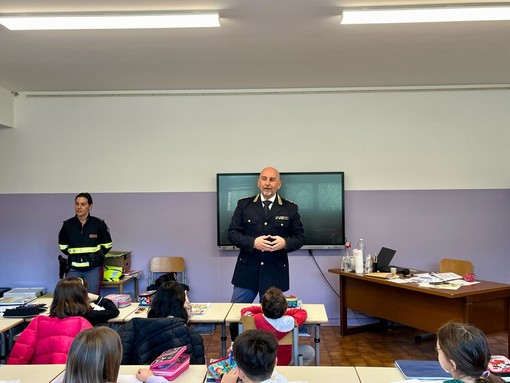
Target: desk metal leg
{"points": [[295, 346], [223, 340], [317, 341], [11, 338], [3, 347], [136, 288]]}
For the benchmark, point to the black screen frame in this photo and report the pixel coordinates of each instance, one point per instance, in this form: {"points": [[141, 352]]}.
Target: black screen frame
{"points": [[225, 206]]}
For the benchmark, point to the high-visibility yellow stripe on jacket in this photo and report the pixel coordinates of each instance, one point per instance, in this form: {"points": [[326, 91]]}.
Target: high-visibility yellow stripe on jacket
{"points": [[85, 245]]}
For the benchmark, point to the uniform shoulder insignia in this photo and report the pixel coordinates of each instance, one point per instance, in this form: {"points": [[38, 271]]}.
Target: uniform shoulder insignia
{"points": [[289, 201], [246, 199]]}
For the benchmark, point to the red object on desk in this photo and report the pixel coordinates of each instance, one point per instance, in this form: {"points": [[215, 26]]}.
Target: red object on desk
{"points": [[469, 277]]}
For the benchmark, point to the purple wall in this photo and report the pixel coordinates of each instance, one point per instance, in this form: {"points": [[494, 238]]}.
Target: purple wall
{"points": [[423, 226]]}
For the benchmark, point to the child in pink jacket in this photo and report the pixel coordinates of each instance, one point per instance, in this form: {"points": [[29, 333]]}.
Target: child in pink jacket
{"points": [[46, 340]]}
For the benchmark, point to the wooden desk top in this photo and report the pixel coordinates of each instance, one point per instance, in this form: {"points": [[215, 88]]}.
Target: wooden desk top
{"points": [[194, 374], [8, 323], [122, 317], [28, 373], [380, 375], [484, 287], [316, 313], [216, 313], [319, 374]]}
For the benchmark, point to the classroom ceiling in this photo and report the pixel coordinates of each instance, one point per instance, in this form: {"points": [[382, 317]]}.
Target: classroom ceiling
{"points": [[262, 44]]}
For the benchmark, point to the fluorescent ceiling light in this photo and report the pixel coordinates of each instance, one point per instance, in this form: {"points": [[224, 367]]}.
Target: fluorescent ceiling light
{"points": [[110, 21], [424, 15]]}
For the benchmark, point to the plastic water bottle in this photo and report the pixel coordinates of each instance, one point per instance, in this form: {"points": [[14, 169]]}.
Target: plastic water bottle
{"points": [[359, 257], [361, 246]]}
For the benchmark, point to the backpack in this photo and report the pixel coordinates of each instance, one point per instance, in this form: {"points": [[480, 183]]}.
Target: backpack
{"points": [[112, 273]]}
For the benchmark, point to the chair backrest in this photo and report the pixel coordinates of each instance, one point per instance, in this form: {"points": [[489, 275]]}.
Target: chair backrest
{"points": [[248, 323], [167, 265], [457, 266]]}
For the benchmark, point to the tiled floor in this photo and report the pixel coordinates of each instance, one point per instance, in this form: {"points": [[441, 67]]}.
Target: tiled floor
{"points": [[377, 348]]}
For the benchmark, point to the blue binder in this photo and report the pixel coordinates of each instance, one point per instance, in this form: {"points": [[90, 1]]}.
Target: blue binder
{"points": [[422, 369]]}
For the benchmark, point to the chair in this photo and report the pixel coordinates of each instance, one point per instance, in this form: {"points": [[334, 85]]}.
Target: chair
{"points": [[248, 323], [167, 265], [447, 265]]}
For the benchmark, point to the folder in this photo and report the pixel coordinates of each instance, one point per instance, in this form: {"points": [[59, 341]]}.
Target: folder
{"points": [[422, 369]]}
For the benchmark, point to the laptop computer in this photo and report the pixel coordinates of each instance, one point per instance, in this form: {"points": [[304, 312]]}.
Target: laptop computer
{"points": [[384, 258]]}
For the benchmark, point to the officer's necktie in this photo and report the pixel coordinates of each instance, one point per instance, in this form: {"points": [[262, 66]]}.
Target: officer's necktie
{"points": [[266, 206]]}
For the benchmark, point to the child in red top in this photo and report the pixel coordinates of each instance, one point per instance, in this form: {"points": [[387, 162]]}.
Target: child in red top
{"points": [[273, 316]]}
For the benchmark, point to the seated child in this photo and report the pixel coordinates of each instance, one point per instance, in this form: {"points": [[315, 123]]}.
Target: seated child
{"points": [[167, 277], [170, 301], [255, 354], [463, 351], [273, 316], [94, 357], [71, 298]]}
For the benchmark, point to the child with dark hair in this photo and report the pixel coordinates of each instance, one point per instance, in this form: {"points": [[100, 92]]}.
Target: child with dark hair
{"points": [[170, 301], [95, 356], [167, 277], [463, 351], [71, 298], [255, 354], [274, 316]]}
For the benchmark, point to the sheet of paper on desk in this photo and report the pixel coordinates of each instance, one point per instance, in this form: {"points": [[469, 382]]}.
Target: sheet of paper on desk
{"points": [[59, 378], [382, 275], [10, 381], [129, 379], [444, 286], [462, 282]]}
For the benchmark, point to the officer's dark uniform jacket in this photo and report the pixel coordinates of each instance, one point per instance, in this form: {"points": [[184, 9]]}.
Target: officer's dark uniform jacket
{"points": [[255, 269], [85, 246]]}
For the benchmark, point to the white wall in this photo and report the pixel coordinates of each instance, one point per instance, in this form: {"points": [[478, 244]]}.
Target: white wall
{"points": [[6, 108], [393, 141], [382, 140]]}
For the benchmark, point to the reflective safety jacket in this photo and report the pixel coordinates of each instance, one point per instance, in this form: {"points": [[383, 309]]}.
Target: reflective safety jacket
{"points": [[85, 246]]}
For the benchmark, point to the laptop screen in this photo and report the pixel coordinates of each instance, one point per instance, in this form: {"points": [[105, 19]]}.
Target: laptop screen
{"points": [[384, 258]]}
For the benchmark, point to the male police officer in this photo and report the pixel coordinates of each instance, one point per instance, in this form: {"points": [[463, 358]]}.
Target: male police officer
{"points": [[265, 227]]}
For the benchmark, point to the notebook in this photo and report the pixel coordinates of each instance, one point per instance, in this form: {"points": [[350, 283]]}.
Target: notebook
{"points": [[384, 258], [422, 369]]}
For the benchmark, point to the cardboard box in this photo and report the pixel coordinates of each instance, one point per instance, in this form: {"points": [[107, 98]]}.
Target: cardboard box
{"points": [[119, 258]]}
